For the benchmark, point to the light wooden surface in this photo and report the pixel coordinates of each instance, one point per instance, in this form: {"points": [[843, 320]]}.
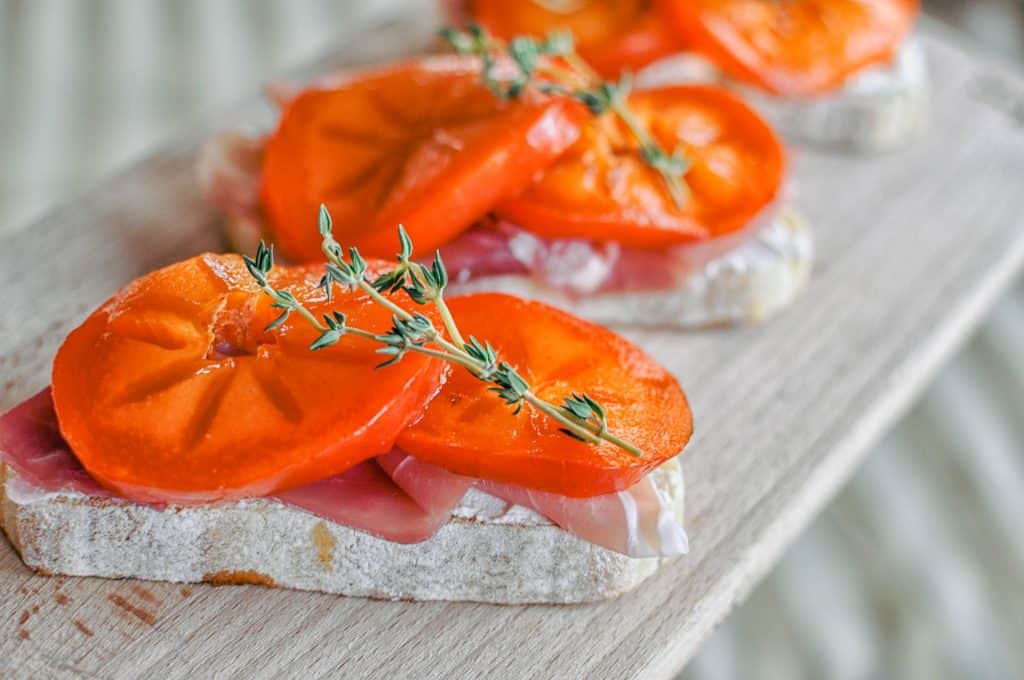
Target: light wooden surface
{"points": [[913, 248]]}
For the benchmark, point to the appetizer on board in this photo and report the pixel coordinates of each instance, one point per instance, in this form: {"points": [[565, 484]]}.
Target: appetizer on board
{"points": [[338, 428], [663, 206], [835, 72], [839, 73]]}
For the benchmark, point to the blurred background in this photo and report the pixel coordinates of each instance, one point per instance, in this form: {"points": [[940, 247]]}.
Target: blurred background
{"points": [[917, 569]]}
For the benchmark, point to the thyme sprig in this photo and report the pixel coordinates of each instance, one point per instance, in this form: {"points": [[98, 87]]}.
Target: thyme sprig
{"points": [[580, 416], [553, 66]]}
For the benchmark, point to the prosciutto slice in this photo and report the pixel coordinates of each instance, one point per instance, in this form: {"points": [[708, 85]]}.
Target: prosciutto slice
{"points": [[579, 267], [395, 497], [640, 522], [31, 444], [434, 489], [229, 168], [363, 497]]}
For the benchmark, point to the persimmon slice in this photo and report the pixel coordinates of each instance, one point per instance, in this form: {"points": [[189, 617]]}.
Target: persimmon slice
{"points": [[611, 35], [468, 430], [423, 144], [797, 48], [602, 188], [172, 391]]}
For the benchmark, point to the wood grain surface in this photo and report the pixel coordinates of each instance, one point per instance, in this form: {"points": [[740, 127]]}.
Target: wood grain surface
{"points": [[913, 248]]}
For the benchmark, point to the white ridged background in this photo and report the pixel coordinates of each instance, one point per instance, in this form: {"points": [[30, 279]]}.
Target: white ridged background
{"points": [[916, 571]]}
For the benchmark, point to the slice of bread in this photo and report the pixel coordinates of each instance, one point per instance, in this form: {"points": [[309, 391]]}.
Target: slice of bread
{"points": [[748, 284], [489, 551]]}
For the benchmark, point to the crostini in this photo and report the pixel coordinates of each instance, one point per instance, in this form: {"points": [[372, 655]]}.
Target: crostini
{"points": [[347, 429], [838, 73], [664, 207]]}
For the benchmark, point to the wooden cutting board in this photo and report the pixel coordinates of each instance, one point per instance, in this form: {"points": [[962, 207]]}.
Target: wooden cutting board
{"points": [[913, 247]]}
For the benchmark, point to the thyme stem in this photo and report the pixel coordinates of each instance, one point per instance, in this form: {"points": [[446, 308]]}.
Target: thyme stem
{"points": [[449, 321], [453, 356], [572, 421], [332, 250], [569, 79], [580, 64], [673, 180], [308, 315], [580, 416], [460, 358], [537, 64]]}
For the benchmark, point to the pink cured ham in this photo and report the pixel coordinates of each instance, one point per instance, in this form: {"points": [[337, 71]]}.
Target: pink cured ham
{"points": [[228, 172], [31, 444], [363, 497], [434, 489], [229, 176], [455, 11], [640, 522], [578, 267], [395, 497]]}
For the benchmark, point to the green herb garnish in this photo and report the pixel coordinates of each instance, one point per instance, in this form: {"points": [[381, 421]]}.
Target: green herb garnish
{"points": [[553, 66], [580, 416]]}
